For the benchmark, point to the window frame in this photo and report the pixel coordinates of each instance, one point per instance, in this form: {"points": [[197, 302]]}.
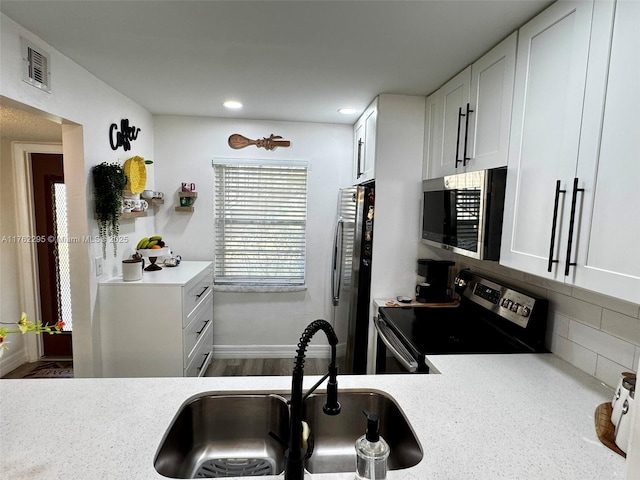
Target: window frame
{"points": [[273, 283]]}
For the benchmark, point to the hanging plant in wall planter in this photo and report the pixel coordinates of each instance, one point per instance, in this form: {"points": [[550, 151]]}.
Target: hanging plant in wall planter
{"points": [[109, 181]]}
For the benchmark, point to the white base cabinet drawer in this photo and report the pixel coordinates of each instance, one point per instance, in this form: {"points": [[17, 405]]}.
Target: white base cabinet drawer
{"points": [[198, 328], [202, 355], [158, 326]]}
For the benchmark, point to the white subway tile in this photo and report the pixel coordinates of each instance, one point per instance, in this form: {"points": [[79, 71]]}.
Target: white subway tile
{"points": [[602, 343], [575, 354], [559, 324], [575, 309], [636, 360], [621, 326], [609, 371], [548, 284], [615, 304]]}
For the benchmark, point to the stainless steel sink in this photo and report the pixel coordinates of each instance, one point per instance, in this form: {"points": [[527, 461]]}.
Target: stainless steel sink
{"points": [[335, 437], [215, 436]]}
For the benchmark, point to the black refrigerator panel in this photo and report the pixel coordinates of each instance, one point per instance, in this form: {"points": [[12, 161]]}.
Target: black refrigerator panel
{"points": [[359, 293]]}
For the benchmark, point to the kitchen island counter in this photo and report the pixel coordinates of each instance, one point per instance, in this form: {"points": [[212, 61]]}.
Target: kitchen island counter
{"points": [[484, 417]]}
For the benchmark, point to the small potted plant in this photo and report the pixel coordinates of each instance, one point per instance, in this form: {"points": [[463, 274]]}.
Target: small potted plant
{"points": [[109, 181]]}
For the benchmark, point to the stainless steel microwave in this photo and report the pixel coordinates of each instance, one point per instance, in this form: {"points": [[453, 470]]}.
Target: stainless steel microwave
{"points": [[463, 212]]}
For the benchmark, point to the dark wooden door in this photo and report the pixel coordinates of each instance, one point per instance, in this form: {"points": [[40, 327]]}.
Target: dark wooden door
{"points": [[49, 200]]}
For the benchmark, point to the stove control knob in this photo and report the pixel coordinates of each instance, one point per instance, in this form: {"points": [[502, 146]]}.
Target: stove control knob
{"points": [[524, 311], [514, 307], [506, 303]]}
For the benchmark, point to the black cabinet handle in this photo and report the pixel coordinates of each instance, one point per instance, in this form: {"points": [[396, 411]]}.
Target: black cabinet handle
{"points": [[460, 115], [572, 219], [203, 327], [466, 135], [206, 357], [202, 292], [359, 172], [553, 226]]}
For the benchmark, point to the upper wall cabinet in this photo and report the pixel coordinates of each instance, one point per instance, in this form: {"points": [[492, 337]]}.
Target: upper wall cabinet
{"points": [[364, 131], [608, 216], [573, 172], [467, 120]]}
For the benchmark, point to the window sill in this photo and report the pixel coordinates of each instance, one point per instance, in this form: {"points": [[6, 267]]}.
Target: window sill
{"points": [[259, 288]]}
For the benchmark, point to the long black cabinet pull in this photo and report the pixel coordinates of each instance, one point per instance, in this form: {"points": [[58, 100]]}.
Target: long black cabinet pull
{"points": [[465, 159], [460, 115], [553, 226], [359, 172], [204, 325], [202, 292], [572, 219]]}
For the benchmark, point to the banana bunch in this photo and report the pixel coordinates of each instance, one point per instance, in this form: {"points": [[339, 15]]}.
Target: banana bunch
{"points": [[150, 242]]}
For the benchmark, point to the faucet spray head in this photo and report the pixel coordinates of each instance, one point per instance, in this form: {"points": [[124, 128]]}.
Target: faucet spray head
{"points": [[332, 407]]}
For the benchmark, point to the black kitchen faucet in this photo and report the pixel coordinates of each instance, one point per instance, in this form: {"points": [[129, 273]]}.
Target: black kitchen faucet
{"points": [[294, 455]]}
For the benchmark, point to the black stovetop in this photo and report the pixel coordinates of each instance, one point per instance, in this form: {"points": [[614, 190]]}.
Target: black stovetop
{"points": [[452, 330]]}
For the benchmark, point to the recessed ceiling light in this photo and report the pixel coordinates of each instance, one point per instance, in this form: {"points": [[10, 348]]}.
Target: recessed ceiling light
{"points": [[232, 104], [347, 111]]}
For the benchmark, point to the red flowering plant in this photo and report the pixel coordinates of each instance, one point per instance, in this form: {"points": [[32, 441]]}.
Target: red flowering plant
{"points": [[24, 326]]}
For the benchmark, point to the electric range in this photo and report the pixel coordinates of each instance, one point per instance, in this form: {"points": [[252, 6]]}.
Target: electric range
{"points": [[490, 318]]}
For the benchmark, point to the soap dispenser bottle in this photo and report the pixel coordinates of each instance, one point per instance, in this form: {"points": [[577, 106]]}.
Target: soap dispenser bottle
{"points": [[372, 452]]}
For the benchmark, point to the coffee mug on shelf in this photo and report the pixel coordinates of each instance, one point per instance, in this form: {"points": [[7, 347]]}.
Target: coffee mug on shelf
{"points": [[188, 187], [185, 201]]}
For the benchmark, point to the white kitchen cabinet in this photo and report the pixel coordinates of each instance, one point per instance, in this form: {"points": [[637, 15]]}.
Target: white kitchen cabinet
{"points": [[492, 78], [454, 98], [432, 129], [365, 132], [608, 215], [573, 178], [469, 121], [160, 326]]}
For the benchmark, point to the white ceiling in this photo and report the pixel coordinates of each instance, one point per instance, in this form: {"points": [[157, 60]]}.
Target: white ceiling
{"points": [[284, 60]]}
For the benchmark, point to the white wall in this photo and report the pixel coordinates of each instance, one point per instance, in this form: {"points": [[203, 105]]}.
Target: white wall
{"points": [[253, 324], [77, 97]]}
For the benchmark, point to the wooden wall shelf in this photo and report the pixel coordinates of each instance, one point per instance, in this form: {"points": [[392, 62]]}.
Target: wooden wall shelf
{"points": [[184, 209], [188, 194]]}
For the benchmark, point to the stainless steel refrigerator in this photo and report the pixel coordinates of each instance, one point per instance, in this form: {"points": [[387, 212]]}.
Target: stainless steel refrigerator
{"points": [[351, 272]]}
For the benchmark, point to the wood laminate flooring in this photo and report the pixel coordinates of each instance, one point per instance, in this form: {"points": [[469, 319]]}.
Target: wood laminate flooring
{"points": [[240, 367], [236, 367]]}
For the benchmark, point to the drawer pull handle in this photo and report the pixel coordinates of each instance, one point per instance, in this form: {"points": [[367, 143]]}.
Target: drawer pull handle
{"points": [[202, 292], [206, 357], [204, 325]]}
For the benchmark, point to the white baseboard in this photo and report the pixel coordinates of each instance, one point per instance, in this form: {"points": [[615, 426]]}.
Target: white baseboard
{"points": [[274, 351], [11, 361]]}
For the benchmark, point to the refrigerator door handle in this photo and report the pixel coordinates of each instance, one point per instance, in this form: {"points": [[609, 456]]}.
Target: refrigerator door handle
{"points": [[336, 280]]}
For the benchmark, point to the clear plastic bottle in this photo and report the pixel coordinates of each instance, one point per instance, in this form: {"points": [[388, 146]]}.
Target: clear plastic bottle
{"points": [[372, 452]]}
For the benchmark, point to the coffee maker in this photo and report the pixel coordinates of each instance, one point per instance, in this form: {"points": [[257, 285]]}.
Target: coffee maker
{"points": [[435, 288]]}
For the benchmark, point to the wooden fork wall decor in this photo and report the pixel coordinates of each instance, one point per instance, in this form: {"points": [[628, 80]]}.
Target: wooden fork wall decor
{"points": [[237, 141]]}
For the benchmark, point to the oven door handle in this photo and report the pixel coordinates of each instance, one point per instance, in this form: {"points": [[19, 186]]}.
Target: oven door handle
{"points": [[394, 344]]}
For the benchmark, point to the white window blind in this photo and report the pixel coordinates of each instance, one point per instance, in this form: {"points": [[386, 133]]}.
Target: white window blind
{"points": [[260, 224]]}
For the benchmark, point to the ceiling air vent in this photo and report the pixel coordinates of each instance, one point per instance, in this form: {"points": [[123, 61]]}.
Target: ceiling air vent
{"points": [[37, 64]]}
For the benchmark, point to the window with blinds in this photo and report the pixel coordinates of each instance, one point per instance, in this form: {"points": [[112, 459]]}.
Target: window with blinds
{"points": [[260, 223]]}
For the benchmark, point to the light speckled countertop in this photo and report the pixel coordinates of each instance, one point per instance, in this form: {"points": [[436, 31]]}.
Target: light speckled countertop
{"points": [[485, 417]]}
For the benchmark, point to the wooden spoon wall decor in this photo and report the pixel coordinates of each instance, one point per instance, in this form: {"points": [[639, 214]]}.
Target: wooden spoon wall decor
{"points": [[237, 141]]}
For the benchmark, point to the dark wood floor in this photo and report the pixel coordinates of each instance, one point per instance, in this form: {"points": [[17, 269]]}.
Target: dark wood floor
{"points": [[236, 367], [263, 366]]}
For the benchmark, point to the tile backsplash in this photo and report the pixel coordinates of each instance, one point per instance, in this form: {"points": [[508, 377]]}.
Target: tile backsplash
{"points": [[598, 334]]}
